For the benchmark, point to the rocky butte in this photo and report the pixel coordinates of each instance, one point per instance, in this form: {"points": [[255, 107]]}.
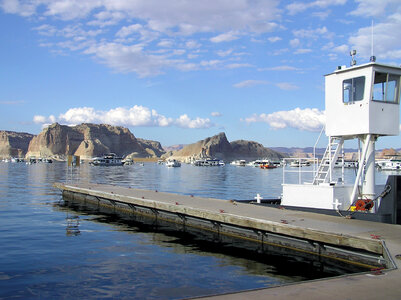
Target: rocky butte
{"points": [[14, 144], [219, 147], [89, 140]]}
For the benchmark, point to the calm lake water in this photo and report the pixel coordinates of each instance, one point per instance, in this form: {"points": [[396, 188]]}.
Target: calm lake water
{"points": [[50, 250]]}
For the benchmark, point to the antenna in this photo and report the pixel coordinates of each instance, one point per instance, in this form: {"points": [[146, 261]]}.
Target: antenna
{"points": [[372, 57]]}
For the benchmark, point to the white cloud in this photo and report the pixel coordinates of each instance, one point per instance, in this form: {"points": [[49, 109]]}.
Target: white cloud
{"points": [[341, 49], [309, 119], [298, 7], [312, 33], [294, 42], [302, 51], [224, 53], [282, 68], [249, 83], [120, 116], [125, 47], [165, 43], [370, 8], [16, 7], [132, 58], [386, 39], [128, 30], [225, 37], [237, 65], [185, 122], [39, 119], [192, 44], [210, 63], [274, 39], [286, 86], [215, 114]]}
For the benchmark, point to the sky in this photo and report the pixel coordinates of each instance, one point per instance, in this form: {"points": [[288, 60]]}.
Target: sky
{"points": [[179, 71]]}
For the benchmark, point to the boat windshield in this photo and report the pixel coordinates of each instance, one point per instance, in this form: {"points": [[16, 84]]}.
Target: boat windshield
{"points": [[386, 88]]}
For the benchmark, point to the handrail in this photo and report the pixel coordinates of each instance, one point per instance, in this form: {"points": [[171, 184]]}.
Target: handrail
{"points": [[314, 149]]}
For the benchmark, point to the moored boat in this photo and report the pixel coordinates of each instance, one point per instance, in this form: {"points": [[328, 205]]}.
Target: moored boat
{"points": [[173, 163], [239, 162], [208, 162], [110, 159]]}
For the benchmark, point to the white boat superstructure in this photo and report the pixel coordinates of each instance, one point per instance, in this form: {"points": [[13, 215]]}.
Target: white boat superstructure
{"points": [[391, 164], [173, 163], [362, 102], [299, 163], [345, 164], [110, 159], [239, 162], [208, 162]]}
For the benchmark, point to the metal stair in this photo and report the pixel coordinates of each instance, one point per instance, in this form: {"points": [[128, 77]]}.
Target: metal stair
{"points": [[329, 158]]}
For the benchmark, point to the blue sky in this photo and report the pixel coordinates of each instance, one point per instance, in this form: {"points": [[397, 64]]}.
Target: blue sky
{"points": [[179, 71]]}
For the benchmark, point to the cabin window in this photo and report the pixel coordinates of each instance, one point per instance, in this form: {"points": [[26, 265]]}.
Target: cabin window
{"points": [[386, 87], [353, 89]]}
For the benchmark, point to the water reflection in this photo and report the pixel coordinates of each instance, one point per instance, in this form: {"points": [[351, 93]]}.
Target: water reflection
{"points": [[47, 249]]}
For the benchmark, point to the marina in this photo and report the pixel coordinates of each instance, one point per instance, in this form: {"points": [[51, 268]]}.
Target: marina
{"points": [[373, 245], [117, 255], [310, 230]]}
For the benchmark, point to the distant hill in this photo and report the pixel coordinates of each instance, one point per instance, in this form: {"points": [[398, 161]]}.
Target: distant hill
{"points": [[174, 147], [14, 144], [219, 147], [89, 140]]}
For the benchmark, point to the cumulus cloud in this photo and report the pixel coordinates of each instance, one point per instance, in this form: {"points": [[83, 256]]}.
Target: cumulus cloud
{"points": [[364, 7], [135, 116], [298, 7], [309, 119], [224, 37], [185, 122], [387, 39], [215, 114], [274, 39], [144, 32]]}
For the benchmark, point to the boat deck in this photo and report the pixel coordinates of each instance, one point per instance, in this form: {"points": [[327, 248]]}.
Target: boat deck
{"points": [[383, 240]]}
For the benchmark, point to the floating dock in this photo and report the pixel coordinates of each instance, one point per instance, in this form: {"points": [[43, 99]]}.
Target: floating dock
{"points": [[373, 246]]}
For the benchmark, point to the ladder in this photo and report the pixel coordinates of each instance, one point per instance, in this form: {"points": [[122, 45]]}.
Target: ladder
{"points": [[329, 159]]}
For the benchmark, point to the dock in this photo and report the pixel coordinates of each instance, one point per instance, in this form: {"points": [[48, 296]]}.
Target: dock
{"points": [[374, 246]]}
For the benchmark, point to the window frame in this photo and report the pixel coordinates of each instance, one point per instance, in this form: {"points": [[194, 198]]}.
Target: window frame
{"points": [[396, 90], [353, 79]]}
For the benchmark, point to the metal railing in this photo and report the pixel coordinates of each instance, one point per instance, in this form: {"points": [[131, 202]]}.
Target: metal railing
{"points": [[302, 166]]}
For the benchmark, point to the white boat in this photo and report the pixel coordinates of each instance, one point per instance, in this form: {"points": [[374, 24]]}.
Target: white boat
{"points": [[389, 164], [128, 162], [240, 162], [208, 162], [109, 159], [173, 163], [16, 159], [263, 162], [361, 102], [347, 164], [302, 163]]}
